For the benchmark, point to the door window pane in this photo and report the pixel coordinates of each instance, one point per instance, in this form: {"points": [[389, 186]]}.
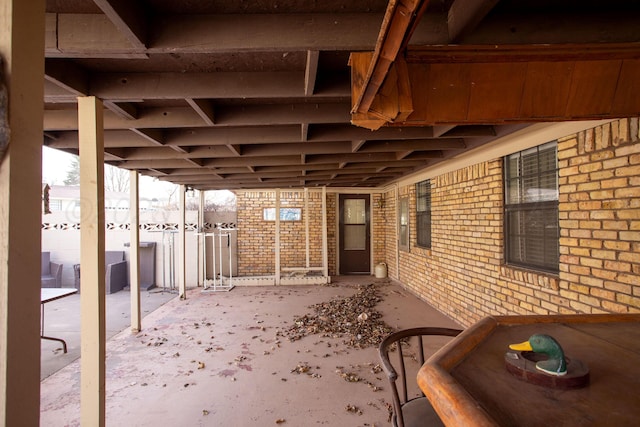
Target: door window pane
{"points": [[355, 237], [354, 211]]}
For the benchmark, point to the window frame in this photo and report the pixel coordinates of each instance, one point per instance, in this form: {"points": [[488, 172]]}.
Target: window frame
{"points": [[423, 216], [522, 207], [403, 229]]}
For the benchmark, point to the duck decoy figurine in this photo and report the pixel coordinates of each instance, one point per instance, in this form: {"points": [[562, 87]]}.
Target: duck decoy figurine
{"points": [[556, 363]]}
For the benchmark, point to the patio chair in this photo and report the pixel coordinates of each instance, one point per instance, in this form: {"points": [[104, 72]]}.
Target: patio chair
{"points": [[416, 410], [50, 272], [116, 272]]}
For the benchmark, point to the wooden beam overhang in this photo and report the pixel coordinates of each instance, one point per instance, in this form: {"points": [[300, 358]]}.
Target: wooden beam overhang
{"points": [[484, 75], [502, 84], [395, 32]]}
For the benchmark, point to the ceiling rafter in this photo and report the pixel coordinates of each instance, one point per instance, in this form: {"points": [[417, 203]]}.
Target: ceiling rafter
{"points": [[204, 108], [192, 96], [129, 19], [465, 15]]}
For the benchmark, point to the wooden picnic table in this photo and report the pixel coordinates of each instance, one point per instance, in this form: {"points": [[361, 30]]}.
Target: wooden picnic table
{"points": [[468, 384]]}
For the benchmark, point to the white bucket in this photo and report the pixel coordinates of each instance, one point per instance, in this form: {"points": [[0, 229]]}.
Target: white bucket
{"points": [[381, 270]]}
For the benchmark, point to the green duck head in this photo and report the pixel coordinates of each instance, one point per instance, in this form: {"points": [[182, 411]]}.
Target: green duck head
{"points": [[545, 344]]}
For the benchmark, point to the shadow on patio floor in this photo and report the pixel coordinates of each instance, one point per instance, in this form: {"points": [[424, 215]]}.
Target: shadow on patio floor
{"points": [[220, 359]]}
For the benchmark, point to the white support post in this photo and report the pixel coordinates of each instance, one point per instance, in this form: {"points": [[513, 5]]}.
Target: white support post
{"points": [[202, 241], [22, 64], [182, 275], [134, 252], [92, 235], [397, 239], [306, 227], [277, 243], [325, 246]]}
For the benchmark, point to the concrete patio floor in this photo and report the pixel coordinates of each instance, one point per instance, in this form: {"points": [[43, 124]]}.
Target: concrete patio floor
{"points": [[220, 359], [62, 320]]}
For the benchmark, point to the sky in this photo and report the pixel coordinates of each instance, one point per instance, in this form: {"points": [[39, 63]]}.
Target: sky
{"points": [[56, 163]]}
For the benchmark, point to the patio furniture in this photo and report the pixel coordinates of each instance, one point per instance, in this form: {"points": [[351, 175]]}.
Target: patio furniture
{"points": [[147, 254], [50, 272], [416, 410], [470, 382], [116, 272], [48, 295]]}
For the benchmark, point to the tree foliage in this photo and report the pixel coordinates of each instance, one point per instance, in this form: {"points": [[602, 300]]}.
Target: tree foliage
{"points": [[116, 179], [73, 173]]}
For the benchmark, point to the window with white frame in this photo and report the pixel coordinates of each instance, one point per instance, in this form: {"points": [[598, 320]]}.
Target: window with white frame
{"points": [[531, 208], [423, 214]]}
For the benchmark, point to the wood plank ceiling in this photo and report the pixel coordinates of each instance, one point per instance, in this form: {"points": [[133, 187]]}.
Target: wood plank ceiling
{"points": [[257, 94]]}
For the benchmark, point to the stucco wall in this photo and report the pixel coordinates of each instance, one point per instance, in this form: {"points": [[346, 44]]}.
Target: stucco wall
{"points": [[61, 237]]}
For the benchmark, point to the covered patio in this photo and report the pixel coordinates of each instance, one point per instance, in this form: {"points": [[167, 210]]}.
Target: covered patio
{"points": [[228, 359], [489, 149]]}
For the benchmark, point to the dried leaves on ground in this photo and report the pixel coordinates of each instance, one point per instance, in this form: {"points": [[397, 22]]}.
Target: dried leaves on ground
{"points": [[353, 318]]}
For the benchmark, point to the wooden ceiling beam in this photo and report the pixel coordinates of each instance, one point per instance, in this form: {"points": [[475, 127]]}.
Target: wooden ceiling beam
{"points": [[284, 114], [387, 164], [356, 145], [112, 139], [129, 19], [204, 108], [156, 136], [285, 32], [125, 110], [74, 35], [185, 117], [155, 164], [397, 24], [351, 157], [307, 167], [224, 84], [251, 161], [465, 15], [616, 23], [296, 148], [67, 75], [456, 54], [413, 145], [311, 71]]}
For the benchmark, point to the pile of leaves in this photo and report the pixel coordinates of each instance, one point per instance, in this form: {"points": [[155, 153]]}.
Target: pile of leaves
{"points": [[353, 318]]}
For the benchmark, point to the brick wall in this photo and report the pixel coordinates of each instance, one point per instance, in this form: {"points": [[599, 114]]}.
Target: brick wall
{"points": [[600, 219], [332, 233], [379, 224], [463, 274], [256, 236]]}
